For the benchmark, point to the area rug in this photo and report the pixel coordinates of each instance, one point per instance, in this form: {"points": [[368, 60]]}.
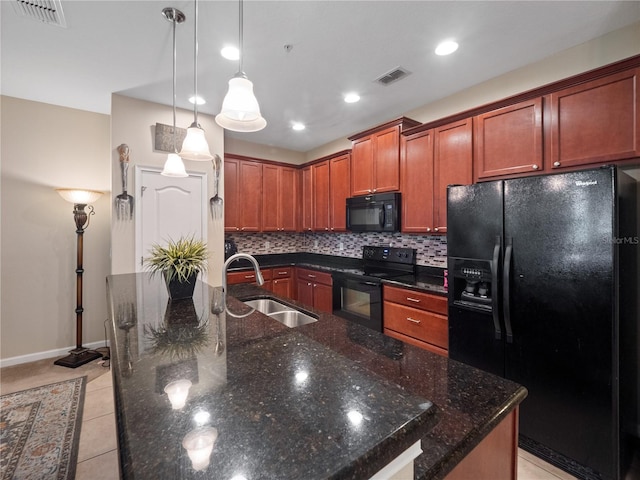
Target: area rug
{"points": [[40, 431]]}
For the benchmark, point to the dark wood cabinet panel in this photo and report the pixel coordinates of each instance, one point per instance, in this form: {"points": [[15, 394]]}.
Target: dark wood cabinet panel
{"points": [[321, 196], [387, 160], [323, 297], [509, 140], [362, 166], [305, 292], [278, 198], [270, 180], [595, 122], [340, 190], [282, 287], [306, 215], [251, 196], [453, 161], [416, 182], [231, 195], [315, 289]]}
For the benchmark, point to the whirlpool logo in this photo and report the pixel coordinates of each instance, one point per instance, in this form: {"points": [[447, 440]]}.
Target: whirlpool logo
{"points": [[582, 183]]}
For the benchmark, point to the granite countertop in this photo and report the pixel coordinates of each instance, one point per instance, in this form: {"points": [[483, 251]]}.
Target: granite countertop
{"points": [[426, 279], [278, 397]]}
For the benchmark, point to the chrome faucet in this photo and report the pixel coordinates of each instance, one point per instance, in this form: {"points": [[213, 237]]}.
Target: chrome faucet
{"points": [[232, 258]]}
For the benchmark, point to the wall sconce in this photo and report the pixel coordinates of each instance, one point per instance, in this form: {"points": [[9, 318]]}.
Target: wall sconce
{"points": [[80, 199], [199, 445], [178, 392]]}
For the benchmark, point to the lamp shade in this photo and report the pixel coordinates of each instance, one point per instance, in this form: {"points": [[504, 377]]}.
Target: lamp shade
{"points": [[76, 196], [195, 146], [178, 392], [240, 110], [174, 167], [199, 444]]}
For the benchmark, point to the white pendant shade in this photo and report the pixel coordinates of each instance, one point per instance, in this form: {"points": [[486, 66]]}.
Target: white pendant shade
{"points": [[195, 146], [178, 392], [174, 167], [240, 109], [75, 196]]}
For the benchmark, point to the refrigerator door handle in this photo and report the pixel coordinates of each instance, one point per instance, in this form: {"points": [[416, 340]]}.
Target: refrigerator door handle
{"points": [[494, 290], [506, 273]]}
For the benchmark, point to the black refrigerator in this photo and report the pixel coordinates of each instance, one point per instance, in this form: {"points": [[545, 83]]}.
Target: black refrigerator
{"points": [[543, 290]]}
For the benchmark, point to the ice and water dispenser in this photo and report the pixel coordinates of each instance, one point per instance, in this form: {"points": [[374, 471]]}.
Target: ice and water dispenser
{"points": [[470, 281]]}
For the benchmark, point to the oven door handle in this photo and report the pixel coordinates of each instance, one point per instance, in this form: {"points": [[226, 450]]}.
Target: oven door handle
{"points": [[374, 284]]}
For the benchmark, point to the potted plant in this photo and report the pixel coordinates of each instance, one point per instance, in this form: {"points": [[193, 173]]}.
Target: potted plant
{"points": [[179, 262]]}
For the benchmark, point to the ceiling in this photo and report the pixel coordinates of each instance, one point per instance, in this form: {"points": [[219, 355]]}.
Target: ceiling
{"points": [[125, 47]]}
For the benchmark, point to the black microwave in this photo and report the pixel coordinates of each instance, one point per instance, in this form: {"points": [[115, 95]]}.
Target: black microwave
{"points": [[374, 213]]}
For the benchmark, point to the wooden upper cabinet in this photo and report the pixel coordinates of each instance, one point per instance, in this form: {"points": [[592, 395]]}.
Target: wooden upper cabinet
{"points": [[321, 196], [339, 191], [416, 182], [278, 198], [509, 140], [231, 195], [452, 160], [306, 214], [595, 122], [243, 195], [375, 158], [362, 166]]}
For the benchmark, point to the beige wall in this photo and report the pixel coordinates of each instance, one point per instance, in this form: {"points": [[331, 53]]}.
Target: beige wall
{"points": [[46, 147], [250, 149], [133, 122]]}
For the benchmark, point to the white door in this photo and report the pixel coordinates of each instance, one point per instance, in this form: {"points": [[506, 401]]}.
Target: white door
{"points": [[169, 208]]}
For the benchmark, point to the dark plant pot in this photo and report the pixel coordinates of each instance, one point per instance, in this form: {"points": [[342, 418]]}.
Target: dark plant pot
{"points": [[179, 290], [181, 312]]}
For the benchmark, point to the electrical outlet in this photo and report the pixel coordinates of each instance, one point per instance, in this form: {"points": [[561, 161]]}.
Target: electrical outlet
{"points": [[315, 243], [341, 246], [267, 245]]}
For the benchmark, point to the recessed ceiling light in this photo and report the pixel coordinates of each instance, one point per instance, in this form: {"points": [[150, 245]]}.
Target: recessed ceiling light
{"points": [[446, 48], [201, 101], [298, 126], [230, 52], [352, 98]]}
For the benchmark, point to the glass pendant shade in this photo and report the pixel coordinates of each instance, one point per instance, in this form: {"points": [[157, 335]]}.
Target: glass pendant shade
{"points": [[178, 392], [195, 146], [75, 196], [174, 167], [240, 110]]}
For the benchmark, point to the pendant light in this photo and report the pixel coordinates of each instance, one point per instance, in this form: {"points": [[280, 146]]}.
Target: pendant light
{"points": [[173, 166], [195, 146], [240, 110]]}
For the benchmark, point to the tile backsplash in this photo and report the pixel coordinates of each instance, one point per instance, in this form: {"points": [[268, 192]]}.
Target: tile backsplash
{"points": [[431, 249]]}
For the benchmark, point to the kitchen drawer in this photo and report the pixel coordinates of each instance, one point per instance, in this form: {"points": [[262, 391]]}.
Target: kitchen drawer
{"points": [[282, 272], [426, 326], [315, 276], [412, 298], [247, 276]]}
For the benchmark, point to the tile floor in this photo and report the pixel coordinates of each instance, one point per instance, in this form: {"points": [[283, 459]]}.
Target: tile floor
{"points": [[98, 456]]}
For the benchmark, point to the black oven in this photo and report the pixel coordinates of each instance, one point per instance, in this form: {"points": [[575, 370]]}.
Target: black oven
{"points": [[357, 296]]}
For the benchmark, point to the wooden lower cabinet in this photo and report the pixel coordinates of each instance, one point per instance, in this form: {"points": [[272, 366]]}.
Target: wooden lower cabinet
{"points": [[495, 457], [282, 282], [417, 318], [315, 289]]}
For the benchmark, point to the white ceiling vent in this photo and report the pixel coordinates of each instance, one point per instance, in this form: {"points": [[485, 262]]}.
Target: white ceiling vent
{"points": [[45, 11], [394, 75]]}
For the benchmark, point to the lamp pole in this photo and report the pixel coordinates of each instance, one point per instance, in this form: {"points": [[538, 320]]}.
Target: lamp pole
{"points": [[79, 355]]}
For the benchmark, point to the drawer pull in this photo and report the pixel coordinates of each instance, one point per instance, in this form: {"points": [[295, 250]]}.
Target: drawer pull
{"points": [[413, 320], [415, 300], [249, 276], [283, 273], [311, 276]]}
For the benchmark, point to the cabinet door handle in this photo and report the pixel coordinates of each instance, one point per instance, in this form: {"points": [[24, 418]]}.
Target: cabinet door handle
{"points": [[556, 164], [535, 167], [428, 229], [415, 300], [413, 320], [436, 229]]}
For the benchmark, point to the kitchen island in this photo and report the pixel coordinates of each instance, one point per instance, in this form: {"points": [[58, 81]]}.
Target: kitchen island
{"points": [[329, 399]]}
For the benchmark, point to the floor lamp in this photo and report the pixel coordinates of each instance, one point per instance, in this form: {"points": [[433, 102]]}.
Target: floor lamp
{"points": [[80, 199]]}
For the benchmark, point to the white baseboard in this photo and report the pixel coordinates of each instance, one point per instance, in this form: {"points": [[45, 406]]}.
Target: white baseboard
{"points": [[32, 357]]}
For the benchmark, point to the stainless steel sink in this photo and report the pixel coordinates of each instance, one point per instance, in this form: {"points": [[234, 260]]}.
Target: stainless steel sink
{"points": [[279, 311]]}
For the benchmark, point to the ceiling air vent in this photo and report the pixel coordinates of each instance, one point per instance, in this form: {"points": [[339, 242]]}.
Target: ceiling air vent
{"points": [[394, 75], [45, 11]]}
